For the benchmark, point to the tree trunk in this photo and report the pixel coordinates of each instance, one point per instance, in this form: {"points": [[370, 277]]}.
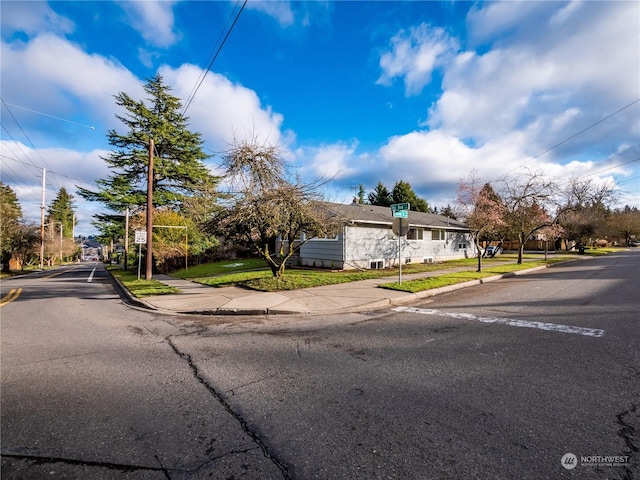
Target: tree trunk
{"points": [[520, 253], [479, 256]]}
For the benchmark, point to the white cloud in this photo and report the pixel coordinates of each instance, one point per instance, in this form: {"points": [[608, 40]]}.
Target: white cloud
{"points": [[154, 20], [292, 13], [222, 110], [414, 55], [32, 18], [573, 61], [64, 168], [52, 75], [435, 157], [281, 11], [328, 161]]}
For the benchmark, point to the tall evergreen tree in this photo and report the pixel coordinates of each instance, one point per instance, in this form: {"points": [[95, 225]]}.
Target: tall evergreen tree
{"points": [[179, 168], [62, 211], [10, 223], [380, 196], [403, 193]]}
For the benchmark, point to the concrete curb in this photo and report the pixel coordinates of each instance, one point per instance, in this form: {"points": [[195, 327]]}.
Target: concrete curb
{"points": [[126, 296], [380, 303]]}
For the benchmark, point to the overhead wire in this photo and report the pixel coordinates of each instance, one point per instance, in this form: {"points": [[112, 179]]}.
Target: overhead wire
{"points": [[24, 133], [587, 128], [204, 73]]}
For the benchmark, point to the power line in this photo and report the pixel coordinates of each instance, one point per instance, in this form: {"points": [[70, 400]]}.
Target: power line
{"points": [[31, 164], [50, 116], [204, 74], [585, 129], [25, 135], [48, 171], [611, 168]]}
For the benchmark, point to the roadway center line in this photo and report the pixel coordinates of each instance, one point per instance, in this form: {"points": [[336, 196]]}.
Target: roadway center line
{"points": [[90, 279], [554, 327], [10, 297]]}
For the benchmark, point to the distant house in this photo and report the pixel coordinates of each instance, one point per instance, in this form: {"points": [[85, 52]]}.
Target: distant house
{"points": [[367, 240]]}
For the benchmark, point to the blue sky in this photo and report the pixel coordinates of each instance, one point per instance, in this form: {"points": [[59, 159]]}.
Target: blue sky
{"points": [[359, 92]]}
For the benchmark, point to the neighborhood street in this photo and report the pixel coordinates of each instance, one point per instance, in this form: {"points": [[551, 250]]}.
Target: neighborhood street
{"points": [[531, 377]]}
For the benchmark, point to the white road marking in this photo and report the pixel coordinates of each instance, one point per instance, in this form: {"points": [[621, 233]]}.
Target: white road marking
{"points": [[90, 279], [589, 332]]}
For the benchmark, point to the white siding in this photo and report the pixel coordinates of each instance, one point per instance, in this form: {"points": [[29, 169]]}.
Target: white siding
{"points": [[358, 245]]}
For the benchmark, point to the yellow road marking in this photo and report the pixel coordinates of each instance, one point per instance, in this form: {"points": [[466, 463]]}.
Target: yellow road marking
{"points": [[10, 297]]}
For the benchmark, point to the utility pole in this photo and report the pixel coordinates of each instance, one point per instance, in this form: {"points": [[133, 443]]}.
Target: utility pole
{"points": [[42, 221], [149, 263]]}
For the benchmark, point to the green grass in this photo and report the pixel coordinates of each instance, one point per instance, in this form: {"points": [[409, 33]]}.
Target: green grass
{"points": [[447, 279], [140, 288], [220, 268], [295, 278], [254, 274]]}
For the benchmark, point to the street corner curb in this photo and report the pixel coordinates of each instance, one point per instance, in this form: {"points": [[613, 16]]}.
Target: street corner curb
{"points": [[127, 297]]}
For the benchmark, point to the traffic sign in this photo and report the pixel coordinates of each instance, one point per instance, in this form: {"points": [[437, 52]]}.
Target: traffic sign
{"points": [[400, 226], [401, 214], [141, 237], [400, 206]]}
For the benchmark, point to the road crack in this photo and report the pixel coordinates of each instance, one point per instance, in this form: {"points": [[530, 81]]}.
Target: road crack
{"points": [[255, 437], [629, 434], [43, 460]]}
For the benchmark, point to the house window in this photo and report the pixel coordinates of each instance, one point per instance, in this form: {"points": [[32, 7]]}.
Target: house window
{"points": [[438, 235], [376, 264], [415, 234], [462, 246]]}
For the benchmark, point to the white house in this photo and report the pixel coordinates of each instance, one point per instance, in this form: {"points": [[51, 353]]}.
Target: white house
{"points": [[367, 240]]}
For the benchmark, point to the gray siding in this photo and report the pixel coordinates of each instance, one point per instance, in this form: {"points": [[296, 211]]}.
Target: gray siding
{"points": [[367, 237], [323, 253], [358, 245]]}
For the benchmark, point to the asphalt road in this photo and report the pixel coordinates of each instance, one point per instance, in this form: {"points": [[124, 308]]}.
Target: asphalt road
{"points": [[502, 380]]}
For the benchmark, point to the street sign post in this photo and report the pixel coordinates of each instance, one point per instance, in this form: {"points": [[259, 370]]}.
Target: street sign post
{"points": [[140, 239], [400, 212], [400, 207]]}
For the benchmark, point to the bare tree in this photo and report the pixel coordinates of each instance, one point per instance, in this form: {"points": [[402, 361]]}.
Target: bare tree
{"points": [[625, 224], [535, 202], [481, 209], [266, 210], [529, 199], [584, 211]]}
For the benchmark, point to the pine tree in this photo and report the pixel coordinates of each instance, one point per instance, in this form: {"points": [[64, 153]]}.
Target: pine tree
{"points": [[10, 223], [403, 193], [380, 196], [62, 211], [179, 168]]}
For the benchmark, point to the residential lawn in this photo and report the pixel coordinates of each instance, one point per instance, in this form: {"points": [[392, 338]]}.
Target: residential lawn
{"points": [[140, 288], [254, 274], [295, 278], [220, 268]]}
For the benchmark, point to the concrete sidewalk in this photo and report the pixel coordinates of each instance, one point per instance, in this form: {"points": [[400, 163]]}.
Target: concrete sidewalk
{"points": [[195, 298]]}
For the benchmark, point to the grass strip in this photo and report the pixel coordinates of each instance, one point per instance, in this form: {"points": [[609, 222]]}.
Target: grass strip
{"points": [[444, 280], [140, 288]]}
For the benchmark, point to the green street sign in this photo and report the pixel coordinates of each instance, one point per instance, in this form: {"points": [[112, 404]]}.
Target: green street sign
{"points": [[399, 206], [401, 214]]}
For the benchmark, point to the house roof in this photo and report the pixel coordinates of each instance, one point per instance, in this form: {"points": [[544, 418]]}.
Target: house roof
{"points": [[361, 213]]}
